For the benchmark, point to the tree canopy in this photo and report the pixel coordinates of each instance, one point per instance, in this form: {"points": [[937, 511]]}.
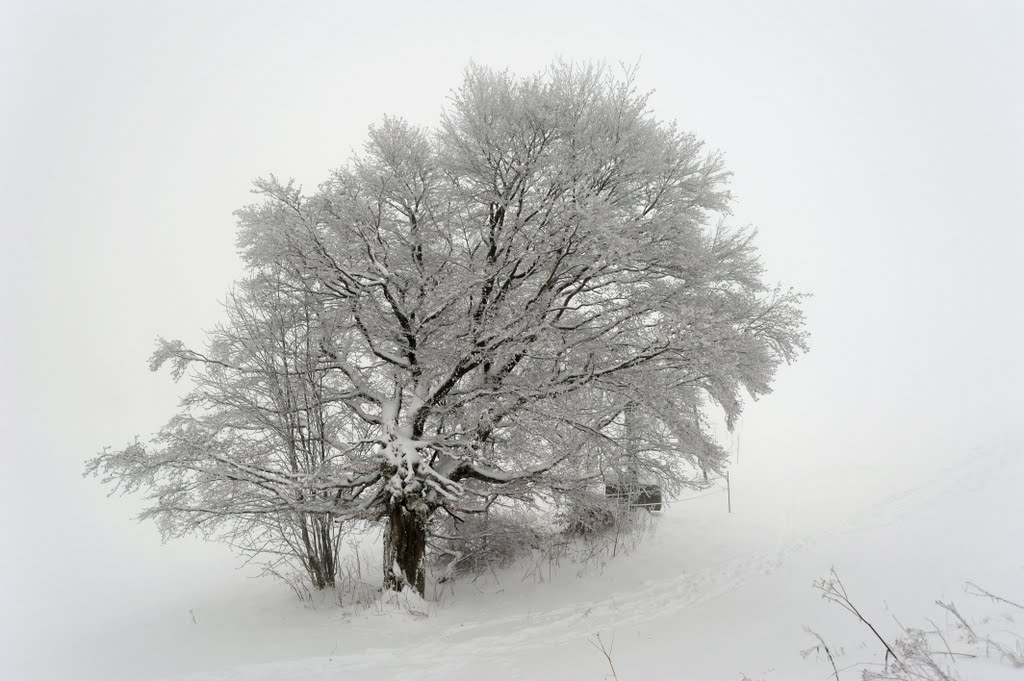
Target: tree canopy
{"points": [[541, 288]]}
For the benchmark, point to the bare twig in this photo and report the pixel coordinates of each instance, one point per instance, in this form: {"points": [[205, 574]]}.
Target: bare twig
{"points": [[607, 652], [978, 591], [951, 609], [832, 590], [944, 641], [1015, 658], [825, 647]]}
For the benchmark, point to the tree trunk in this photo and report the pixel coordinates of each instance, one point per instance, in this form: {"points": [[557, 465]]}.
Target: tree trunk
{"points": [[319, 548], [405, 548]]}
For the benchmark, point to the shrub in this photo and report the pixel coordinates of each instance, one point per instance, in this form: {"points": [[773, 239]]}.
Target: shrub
{"points": [[589, 514], [483, 541]]}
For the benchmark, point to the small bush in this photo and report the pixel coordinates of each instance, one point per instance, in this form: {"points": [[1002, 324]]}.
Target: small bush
{"points": [[590, 514], [484, 541]]}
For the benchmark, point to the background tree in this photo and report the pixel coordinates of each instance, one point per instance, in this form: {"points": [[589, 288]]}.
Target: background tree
{"points": [[248, 456], [502, 287]]}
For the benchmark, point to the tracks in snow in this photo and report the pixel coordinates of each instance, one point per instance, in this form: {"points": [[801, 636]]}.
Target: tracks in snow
{"points": [[437, 649]]}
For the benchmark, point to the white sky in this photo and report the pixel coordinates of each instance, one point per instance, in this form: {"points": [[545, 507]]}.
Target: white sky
{"points": [[878, 146]]}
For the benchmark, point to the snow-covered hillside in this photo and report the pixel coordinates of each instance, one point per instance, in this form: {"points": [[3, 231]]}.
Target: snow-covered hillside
{"points": [[706, 595]]}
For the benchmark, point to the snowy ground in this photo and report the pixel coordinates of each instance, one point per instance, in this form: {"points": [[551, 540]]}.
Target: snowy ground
{"points": [[707, 595]]}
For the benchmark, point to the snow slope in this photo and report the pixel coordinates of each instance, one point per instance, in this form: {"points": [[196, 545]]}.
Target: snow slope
{"points": [[707, 595]]}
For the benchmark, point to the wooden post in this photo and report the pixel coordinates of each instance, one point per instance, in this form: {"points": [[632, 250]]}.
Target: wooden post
{"points": [[728, 490]]}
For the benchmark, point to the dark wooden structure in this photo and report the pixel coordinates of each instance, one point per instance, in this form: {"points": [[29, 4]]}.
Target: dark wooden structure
{"points": [[635, 495]]}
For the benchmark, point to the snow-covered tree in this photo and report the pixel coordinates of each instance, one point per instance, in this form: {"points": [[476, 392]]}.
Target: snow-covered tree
{"points": [[539, 289], [248, 457]]}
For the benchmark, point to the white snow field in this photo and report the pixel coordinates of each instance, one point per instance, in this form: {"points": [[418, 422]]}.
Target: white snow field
{"points": [[707, 594], [879, 148]]}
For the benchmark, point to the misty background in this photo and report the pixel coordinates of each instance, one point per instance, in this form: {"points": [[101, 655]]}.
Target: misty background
{"points": [[877, 146]]}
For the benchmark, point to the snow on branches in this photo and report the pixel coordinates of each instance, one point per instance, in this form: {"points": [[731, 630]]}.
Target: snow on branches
{"points": [[468, 311]]}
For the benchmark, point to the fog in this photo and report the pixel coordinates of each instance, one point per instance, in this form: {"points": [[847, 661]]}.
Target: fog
{"points": [[878, 147]]}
